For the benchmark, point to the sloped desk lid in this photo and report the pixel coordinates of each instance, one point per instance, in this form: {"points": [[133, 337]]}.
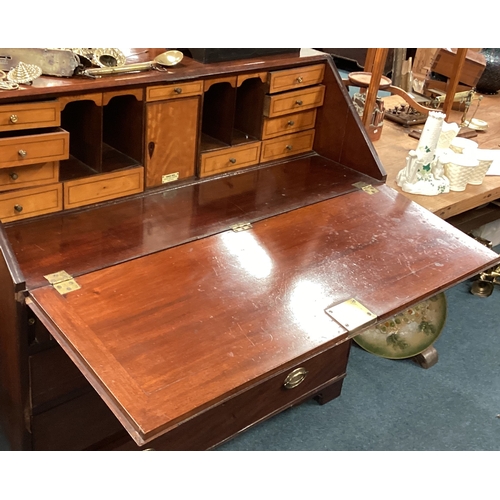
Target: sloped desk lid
{"points": [[166, 336]]}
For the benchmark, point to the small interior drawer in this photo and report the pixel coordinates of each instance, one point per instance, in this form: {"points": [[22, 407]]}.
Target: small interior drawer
{"points": [[103, 187], [229, 159], [160, 92], [30, 148], [291, 102], [30, 115], [288, 145], [294, 122], [23, 203], [295, 78], [29, 175]]}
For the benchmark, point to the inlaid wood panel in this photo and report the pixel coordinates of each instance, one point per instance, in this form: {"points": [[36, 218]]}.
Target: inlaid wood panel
{"points": [[171, 139], [29, 175]]}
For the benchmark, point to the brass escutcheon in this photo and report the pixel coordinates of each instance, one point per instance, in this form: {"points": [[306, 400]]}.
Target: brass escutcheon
{"points": [[295, 378]]}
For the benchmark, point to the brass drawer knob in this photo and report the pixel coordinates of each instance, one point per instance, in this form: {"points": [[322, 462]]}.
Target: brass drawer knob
{"points": [[22, 153], [178, 90], [291, 123], [300, 79], [298, 103], [14, 118], [295, 378], [232, 160], [14, 176], [18, 208], [289, 147]]}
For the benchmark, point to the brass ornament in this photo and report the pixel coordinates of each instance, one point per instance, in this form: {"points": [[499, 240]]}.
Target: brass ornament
{"points": [[24, 73], [105, 58]]}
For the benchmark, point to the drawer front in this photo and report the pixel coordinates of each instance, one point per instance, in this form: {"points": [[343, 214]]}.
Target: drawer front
{"points": [[230, 159], [291, 102], [289, 145], [262, 401], [295, 78], [103, 187], [54, 377], [173, 91], [23, 203], [30, 115], [36, 148], [29, 175], [282, 125], [75, 425]]}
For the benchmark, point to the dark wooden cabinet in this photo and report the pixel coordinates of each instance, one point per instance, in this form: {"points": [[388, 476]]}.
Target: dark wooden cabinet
{"points": [[170, 279]]}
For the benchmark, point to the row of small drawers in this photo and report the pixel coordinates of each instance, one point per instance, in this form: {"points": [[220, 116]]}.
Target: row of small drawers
{"points": [[19, 204], [47, 114], [254, 153]]}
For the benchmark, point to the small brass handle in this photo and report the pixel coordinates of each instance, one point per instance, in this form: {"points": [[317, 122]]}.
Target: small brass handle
{"points": [[299, 79], [289, 147], [14, 176], [299, 103], [18, 208], [232, 160], [295, 378], [14, 118], [291, 123], [178, 90], [22, 153]]}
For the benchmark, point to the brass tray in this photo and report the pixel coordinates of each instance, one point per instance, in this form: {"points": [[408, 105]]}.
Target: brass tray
{"points": [[408, 333]]}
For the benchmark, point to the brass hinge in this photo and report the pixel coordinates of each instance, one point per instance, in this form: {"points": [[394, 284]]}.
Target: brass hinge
{"points": [[62, 282], [242, 226], [367, 188], [352, 315]]}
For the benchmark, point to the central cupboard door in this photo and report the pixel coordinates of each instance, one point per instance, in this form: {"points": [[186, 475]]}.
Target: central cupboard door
{"points": [[171, 140]]}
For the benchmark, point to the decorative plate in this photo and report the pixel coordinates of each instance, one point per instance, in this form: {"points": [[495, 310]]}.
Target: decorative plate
{"points": [[408, 333]]}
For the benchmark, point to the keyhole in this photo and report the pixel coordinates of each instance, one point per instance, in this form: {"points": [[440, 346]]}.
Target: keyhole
{"points": [[151, 149]]}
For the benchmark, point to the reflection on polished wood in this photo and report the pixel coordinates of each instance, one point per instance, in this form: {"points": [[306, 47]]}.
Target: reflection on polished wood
{"points": [[249, 303], [394, 145]]}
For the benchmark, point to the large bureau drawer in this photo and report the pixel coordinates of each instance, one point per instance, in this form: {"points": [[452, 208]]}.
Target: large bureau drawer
{"points": [[229, 159], [34, 148], [325, 370], [287, 145], [30, 115], [295, 78], [290, 102], [29, 175], [23, 203], [103, 187]]}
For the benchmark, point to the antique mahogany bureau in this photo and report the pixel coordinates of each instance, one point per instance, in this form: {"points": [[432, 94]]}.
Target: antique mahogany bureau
{"points": [[186, 253]]}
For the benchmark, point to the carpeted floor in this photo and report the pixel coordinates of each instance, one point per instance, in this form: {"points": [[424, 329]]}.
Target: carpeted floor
{"points": [[397, 405]]}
